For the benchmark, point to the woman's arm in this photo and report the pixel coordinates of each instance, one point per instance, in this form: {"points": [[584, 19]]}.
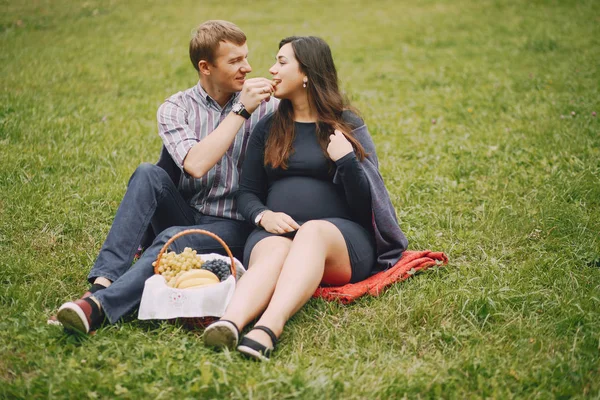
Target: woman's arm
{"points": [[252, 194], [350, 173], [356, 187]]}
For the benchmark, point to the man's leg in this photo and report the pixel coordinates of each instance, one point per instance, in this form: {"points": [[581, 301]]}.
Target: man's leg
{"points": [[152, 199], [125, 294]]}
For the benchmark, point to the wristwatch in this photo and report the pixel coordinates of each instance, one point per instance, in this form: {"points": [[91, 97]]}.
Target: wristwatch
{"points": [[259, 217], [239, 109]]}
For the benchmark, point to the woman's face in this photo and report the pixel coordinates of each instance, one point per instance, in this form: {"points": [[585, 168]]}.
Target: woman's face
{"points": [[286, 73]]}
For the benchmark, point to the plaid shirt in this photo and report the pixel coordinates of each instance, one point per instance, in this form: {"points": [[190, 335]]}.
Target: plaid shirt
{"points": [[186, 118]]}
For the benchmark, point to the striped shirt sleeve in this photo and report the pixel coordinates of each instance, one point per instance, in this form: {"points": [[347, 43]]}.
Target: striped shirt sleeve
{"points": [[177, 136]]}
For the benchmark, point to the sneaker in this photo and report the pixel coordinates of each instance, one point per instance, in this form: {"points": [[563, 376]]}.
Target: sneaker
{"points": [[81, 316], [52, 320]]}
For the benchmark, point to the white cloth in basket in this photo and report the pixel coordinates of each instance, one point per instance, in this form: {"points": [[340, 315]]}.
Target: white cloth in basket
{"points": [[160, 301]]}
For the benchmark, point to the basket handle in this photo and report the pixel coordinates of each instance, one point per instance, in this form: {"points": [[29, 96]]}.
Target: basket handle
{"points": [[187, 232]]}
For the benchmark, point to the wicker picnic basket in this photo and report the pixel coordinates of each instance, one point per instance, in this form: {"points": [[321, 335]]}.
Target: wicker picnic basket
{"points": [[197, 322]]}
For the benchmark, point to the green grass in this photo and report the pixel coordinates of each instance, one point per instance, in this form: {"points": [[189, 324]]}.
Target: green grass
{"points": [[506, 182]]}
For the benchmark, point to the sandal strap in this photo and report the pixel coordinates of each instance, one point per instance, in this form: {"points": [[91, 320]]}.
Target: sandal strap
{"points": [[268, 332], [258, 347]]}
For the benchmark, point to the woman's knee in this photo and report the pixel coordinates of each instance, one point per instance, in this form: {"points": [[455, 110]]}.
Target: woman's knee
{"points": [[321, 234], [273, 247], [315, 229]]}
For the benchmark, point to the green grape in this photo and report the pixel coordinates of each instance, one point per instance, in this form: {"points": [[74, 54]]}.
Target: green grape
{"points": [[174, 264]]}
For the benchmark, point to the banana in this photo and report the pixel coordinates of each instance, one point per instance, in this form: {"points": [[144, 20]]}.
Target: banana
{"points": [[196, 273], [196, 282]]}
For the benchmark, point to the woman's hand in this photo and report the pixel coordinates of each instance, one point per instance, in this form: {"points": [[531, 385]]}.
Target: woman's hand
{"points": [[338, 146], [278, 222]]}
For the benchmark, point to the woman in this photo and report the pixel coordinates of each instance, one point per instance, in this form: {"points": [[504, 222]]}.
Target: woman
{"points": [[311, 185]]}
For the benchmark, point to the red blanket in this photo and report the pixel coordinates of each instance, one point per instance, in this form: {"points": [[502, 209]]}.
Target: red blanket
{"points": [[411, 262]]}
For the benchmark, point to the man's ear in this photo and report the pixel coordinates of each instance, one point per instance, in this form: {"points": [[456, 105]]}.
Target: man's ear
{"points": [[203, 67]]}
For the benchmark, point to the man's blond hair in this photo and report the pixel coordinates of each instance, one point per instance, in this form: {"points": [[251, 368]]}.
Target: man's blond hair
{"points": [[209, 35]]}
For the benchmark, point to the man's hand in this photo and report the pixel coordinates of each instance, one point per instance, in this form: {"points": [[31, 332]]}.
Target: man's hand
{"points": [[254, 91], [278, 222], [338, 146]]}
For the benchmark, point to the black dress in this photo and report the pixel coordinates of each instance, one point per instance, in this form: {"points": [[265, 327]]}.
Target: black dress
{"points": [[305, 191]]}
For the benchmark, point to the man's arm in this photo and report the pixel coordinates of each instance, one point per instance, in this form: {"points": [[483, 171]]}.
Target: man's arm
{"points": [[207, 152]]}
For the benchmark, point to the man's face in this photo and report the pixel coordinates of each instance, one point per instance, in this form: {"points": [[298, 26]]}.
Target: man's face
{"points": [[229, 70]]}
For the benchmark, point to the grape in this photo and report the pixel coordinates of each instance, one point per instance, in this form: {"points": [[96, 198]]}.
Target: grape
{"points": [[218, 267], [172, 264]]}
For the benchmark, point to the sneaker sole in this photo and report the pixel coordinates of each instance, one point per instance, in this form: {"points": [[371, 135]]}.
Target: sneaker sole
{"points": [[220, 335], [73, 318], [53, 319]]}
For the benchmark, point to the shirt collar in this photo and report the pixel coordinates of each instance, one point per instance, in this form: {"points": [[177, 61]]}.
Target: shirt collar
{"points": [[208, 101]]}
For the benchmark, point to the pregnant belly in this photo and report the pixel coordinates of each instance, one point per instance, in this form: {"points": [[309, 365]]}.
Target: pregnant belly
{"points": [[305, 198]]}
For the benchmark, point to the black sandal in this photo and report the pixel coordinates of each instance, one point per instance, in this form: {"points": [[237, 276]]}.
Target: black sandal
{"points": [[251, 348], [222, 333]]}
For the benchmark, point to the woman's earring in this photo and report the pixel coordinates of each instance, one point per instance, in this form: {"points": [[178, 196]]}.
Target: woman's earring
{"points": [[304, 82]]}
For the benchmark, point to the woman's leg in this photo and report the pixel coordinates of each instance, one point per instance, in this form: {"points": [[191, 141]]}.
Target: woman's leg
{"points": [[318, 254], [255, 288]]}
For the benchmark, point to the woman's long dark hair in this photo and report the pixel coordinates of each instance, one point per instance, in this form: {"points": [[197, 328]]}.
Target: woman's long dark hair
{"points": [[314, 56]]}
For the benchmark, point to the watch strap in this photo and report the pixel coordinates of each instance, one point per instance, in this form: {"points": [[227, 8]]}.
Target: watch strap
{"points": [[258, 217], [240, 109], [244, 113]]}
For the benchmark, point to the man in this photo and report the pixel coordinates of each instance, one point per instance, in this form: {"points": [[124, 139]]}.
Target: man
{"points": [[205, 130]]}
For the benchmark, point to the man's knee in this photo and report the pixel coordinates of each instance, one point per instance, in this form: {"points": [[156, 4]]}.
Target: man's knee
{"points": [[149, 174], [164, 236], [196, 241]]}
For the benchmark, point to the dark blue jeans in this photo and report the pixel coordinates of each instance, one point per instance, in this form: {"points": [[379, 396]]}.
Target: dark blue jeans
{"points": [[153, 201]]}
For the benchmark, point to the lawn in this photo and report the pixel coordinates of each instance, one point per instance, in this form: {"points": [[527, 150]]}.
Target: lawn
{"points": [[484, 117]]}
